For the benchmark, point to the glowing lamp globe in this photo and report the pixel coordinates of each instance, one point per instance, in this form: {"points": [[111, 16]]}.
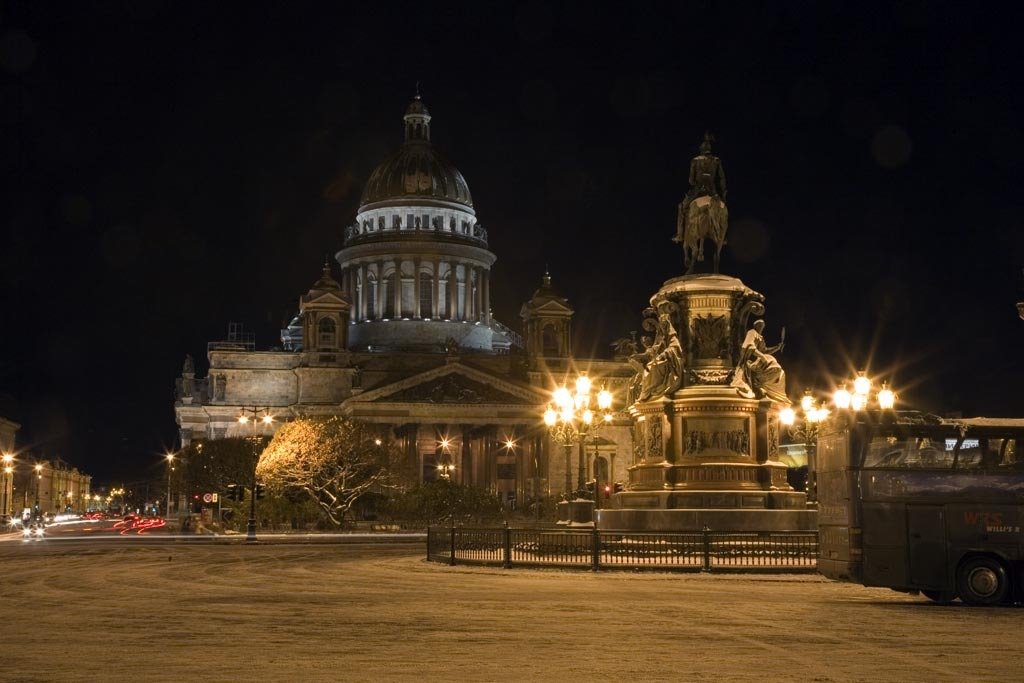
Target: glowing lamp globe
{"points": [[886, 398], [562, 397], [787, 416], [858, 401], [550, 417], [841, 398]]}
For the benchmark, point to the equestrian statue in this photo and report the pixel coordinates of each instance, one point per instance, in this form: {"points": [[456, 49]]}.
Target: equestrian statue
{"points": [[703, 213]]}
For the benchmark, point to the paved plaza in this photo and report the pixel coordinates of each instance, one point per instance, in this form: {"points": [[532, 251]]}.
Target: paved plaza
{"points": [[355, 612]]}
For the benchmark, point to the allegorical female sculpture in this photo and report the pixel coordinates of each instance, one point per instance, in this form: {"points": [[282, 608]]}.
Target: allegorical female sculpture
{"points": [[664, 371], [758, 373]]}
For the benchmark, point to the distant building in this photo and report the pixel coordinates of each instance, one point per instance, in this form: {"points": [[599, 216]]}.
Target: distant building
{"points": [[8, 432], [58, 487], [405, 338]]}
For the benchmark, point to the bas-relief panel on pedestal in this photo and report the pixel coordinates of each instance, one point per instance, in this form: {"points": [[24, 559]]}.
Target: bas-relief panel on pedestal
{"points": [[716, 436]]}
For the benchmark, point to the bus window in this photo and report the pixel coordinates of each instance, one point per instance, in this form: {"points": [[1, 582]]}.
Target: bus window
{"points": [[1010, 455], [916, 452], [987, 454]]}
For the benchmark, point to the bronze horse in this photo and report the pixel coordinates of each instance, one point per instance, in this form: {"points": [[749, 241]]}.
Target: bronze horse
{"points": [[705, 217]]}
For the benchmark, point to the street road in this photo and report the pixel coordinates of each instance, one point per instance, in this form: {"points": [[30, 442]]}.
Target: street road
{"points": [[163, 611]]}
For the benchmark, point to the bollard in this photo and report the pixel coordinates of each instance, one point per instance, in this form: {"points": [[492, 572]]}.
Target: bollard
{"points": [[706, 531], [451, 558], [428, 542], [507, 548], [595, 546]]}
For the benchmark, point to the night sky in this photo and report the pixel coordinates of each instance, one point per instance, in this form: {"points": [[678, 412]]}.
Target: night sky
{"points": [[171, 166]]}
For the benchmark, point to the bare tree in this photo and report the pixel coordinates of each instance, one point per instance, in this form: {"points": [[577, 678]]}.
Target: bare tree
{"points": [[334, 460]]}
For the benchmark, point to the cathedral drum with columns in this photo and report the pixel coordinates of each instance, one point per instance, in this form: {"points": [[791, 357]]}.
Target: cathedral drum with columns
{"points": [[405, 338]]}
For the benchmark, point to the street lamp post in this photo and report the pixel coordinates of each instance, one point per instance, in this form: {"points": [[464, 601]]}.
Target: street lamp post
{"points": [[8, 460], [445, 467], [170, 468], [571, 421], [261, 415], [36, 510], [805, 428]]}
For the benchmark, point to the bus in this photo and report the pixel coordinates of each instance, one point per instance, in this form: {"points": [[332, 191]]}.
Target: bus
{"points": [[918, 503]]}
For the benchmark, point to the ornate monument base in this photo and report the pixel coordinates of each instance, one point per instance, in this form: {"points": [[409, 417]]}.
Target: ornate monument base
{"points": [[706, 430]]}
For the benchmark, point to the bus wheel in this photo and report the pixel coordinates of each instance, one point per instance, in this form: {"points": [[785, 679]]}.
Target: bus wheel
{"points": [[983, 581], [941, 597]]}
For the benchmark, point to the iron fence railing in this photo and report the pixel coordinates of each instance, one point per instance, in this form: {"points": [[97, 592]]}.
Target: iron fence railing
{"points": [[706, 550]]}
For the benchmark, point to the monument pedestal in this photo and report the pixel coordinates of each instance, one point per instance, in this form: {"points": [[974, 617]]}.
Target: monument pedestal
{"points": [[706, 448]]}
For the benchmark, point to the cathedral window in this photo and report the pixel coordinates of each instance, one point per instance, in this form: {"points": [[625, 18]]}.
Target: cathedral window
{"points": [[549, 341], [396, 222], [380, 223], [451, 225], [328, 333]]}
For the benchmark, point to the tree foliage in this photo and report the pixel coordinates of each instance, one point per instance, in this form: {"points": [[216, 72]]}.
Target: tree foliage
{"points": [[210, 466], [441, 501], [333, 460]]}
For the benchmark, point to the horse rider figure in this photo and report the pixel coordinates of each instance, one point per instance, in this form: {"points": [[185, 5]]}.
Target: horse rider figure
{"points": [[707, 179]]}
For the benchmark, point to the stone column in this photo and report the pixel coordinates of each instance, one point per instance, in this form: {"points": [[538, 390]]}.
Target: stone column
{"points": [[363, 290], [379, 304], [467, 456], [435, 289], [453, 291], [397, 280], [486, 272], [417, 313], [478, 295], [350, 290]]}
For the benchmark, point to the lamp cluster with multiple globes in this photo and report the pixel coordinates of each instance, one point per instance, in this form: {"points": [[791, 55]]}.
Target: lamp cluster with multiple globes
{"points": [[861, 398], [573, 410], [570, 419]]}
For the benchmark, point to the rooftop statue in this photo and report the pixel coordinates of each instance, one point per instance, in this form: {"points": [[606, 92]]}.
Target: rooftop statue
{"points": [[703, 213]]}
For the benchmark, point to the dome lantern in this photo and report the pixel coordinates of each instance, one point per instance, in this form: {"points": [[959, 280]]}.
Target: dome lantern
{"points": [[417, 120]]}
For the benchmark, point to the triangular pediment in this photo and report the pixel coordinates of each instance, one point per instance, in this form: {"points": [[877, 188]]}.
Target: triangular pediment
{"points": [[453, 384], [324, 300], [551, 308]]}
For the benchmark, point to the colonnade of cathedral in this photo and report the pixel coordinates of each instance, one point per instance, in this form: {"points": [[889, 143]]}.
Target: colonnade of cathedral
{"points": [[429, 288], [506, 459]]}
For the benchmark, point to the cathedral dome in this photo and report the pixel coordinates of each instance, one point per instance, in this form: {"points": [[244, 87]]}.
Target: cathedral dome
{"points": [[416, 171]]}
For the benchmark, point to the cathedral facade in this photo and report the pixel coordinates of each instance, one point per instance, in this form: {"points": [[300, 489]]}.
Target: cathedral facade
{"points": [[405, 338]]}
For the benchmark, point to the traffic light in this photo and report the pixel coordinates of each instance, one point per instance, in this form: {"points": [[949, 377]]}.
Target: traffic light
{"points": [[259, 491], [236, 492]]}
